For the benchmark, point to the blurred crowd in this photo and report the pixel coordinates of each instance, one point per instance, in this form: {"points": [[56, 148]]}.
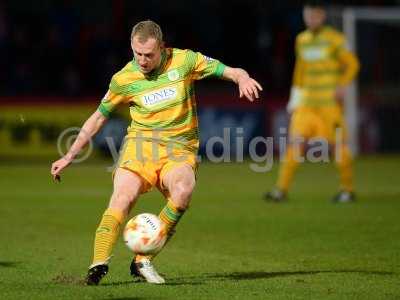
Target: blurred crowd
{"points": [[55, 52], [72, 48]]}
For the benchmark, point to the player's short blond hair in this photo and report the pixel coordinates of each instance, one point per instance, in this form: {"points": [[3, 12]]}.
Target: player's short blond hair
{"points": [[147, 29]]}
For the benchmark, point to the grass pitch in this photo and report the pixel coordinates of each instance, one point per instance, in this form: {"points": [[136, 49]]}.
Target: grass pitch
{"points": [[229, 245]]}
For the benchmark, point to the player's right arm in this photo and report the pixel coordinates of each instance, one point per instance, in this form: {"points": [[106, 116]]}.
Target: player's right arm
{"points": [[111, 100], [88, 130], [298, 73]]}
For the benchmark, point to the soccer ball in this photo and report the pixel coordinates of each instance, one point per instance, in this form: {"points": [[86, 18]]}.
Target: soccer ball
{"points": [[145, 234]]}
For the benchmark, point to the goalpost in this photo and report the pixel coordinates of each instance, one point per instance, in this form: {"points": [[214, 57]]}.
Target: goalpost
{"points": [[348, 18]]}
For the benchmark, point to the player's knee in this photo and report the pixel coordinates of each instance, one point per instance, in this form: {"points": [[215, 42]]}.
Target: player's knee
{"points": [[181, 194], [122, 199], [183, 191]]}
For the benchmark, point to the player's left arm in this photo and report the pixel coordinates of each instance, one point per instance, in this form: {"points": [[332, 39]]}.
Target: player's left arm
{"points": [[349, 65], [248, 86], [205, 66]]}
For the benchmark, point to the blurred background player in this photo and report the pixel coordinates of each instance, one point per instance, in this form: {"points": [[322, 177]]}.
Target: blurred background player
{"points": [[158, 85], [324, 68]]}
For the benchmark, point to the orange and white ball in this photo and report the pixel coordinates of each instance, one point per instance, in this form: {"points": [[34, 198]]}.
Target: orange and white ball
{"points": [[145, 234]]}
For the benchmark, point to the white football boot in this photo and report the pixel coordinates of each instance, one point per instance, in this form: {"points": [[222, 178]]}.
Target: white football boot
{"points": [[145, 269], [344, 197]]}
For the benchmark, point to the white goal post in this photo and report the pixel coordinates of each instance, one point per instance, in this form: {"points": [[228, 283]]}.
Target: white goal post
{"points": [[349, 17]]}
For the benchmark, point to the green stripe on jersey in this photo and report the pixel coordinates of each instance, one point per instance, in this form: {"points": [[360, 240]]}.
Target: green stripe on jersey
{"points": [[104, 111], [320, 86], [190, 61], [170, 124], [220, 70], [318, 102], [144, 85], [188, 135], [322, 72]]}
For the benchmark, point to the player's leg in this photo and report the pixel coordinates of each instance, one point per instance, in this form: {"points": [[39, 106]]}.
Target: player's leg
{"points": [[289, 165], [179, 182], [300, 128], [344, 163], [335, 132], [127, 188], [286, 172]]}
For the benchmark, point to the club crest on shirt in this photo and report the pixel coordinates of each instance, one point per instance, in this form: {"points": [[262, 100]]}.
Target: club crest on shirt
{"points": [[173, 75], [159, 96]]}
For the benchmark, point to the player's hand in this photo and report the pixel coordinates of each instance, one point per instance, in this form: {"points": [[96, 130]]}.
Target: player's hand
{"points": [[58, 166], [249, 88]]}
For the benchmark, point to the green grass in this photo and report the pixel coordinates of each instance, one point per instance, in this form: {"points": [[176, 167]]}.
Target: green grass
{"points": [[229, 245]]}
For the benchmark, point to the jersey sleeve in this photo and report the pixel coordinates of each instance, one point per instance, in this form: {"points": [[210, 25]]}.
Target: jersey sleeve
{"points": [[298, 72], [348, 60], [112, 98], [204, 66]]}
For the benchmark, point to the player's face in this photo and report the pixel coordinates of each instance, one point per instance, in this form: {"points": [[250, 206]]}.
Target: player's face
{"points": [[147, 54], [314, 17]]}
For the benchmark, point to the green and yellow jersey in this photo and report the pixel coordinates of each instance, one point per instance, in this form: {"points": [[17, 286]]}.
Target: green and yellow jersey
{"points": [[162, 104], [323, 63]]}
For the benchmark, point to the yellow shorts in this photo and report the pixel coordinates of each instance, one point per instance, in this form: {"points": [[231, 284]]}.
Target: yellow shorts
{"points": [[321, 122], [151, 160]]}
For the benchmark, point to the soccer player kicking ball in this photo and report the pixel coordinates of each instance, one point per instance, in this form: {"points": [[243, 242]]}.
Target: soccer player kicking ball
{"points": [[161, 144], [323, 69]]}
